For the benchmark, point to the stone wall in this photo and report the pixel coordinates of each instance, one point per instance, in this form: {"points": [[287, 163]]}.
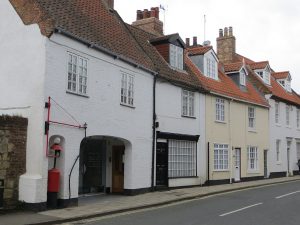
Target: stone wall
{"points": [[13, 135]]}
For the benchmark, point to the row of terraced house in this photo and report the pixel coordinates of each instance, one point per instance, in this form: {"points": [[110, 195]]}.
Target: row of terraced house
{"points": [[136, 110]]}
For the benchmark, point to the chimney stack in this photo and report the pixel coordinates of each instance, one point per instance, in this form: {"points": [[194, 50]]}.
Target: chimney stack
{"points": [[187, 42], [149, 21], [195, 42], [226, 45], [109, 3]]}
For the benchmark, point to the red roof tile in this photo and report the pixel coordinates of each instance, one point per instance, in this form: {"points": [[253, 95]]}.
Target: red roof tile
{"points": [[233, 67], [199, 50], [88, 20], [259, 65], [281, 75]]}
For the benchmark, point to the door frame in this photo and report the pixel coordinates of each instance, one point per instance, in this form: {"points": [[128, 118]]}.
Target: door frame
{"points": [[240, 164], [120, 149], [265, 163]]}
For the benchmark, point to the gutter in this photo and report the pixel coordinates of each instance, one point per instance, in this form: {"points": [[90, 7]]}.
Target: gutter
{"points": [[103, 50], [238, 100]]}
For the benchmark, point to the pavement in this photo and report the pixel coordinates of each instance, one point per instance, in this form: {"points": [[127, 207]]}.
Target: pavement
{"points": [[101, 205]]}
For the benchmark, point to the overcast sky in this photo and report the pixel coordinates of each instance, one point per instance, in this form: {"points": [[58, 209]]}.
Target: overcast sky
{"points": [[264, 29]]}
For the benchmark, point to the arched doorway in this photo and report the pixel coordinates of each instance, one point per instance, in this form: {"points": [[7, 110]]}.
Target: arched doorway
{"points": [[101, 165]]}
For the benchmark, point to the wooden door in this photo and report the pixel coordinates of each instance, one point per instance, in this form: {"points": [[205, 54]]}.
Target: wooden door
{"points": [[162, 164], [237, 170], [117, 169]]}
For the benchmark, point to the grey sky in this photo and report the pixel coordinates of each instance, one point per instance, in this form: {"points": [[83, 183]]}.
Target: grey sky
{"points": [[264, 29]]}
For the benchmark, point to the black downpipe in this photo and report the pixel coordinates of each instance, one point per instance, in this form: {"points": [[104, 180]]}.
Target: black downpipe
{"points": [[153, 132], [208, 181], [70, 174]]}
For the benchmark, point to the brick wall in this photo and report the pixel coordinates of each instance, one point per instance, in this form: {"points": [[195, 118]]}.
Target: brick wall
{"points": [[13, 135]]}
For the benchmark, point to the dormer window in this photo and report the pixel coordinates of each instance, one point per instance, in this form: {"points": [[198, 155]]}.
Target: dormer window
{"points": [[284, 82], [242, 77], [211, 68], [176, 57], [264, 75]]}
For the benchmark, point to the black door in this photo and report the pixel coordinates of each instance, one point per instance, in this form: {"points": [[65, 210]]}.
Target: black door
{"points": [[161, 164]]}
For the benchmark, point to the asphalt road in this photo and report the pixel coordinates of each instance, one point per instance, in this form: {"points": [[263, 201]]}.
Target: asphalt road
{"points": [[271, 205]]}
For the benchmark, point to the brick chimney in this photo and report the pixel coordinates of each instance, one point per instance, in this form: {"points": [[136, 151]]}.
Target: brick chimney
{"points": [[149, 21], [226, 45], [110, 3]]}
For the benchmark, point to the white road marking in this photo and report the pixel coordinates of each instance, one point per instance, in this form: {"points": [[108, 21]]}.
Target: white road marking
{"points": [[281, 196], [238, 210]]}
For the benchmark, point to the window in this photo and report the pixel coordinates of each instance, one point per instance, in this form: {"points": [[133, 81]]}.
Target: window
{"points": [[77, 74], [188, 103], [298, 118], [211, 68], [288, 86], [260, 73], [282, 82], [287, 115], [277, 112], [267, 77], [243, 78], [252, 158], [220, 157], [182, 158], [277, 150], [176, 57], [127, 93], [251, 117], [220, 109]]}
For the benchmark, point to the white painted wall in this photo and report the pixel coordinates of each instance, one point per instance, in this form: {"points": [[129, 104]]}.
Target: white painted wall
{"points": [[281, 132], [101, 110], [168, 109], [22, 66]]}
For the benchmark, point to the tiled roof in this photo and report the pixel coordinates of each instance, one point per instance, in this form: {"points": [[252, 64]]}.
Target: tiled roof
{"points": [[199, 50], [88, 20], [233, 67], [186, 77], [281, 75], [275, 88], [226, 86], [259, 65]]}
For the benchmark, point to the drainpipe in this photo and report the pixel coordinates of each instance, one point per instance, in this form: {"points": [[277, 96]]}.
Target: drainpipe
{"points": [[208, 164], [153, 132], [230, 141]]}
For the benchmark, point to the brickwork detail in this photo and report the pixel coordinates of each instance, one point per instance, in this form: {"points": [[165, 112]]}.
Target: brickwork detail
{"points": [[226, 46], [13, 135]]}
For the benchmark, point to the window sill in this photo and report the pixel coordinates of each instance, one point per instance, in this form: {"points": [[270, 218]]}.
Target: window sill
{"points": [[221, 170], [289, 127], [278, 125], [190, 117], [77, 94], [278, 163], [182, 177], [128, 106], [220, 121], [252, 131]]}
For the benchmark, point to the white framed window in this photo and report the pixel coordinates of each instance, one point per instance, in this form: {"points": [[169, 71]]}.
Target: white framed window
{"points": [[251, 117], [298, 118], [77, 74], [287, 115], [220, 109], [182, 158], [278, 150], [243, 78], [220, 157], [188, 103], [288, 86], [267, 78], [277, 112], [252, 158], [211, 69], [176, 57], [127, 89]]}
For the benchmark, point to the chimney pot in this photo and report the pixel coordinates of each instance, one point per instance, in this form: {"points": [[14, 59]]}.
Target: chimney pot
{"points": [[145, 13], [110, 3], [230, 32], [195, 42], [157, 12], [187, 42], [220, 32], [152, 13], [226, 31]]}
